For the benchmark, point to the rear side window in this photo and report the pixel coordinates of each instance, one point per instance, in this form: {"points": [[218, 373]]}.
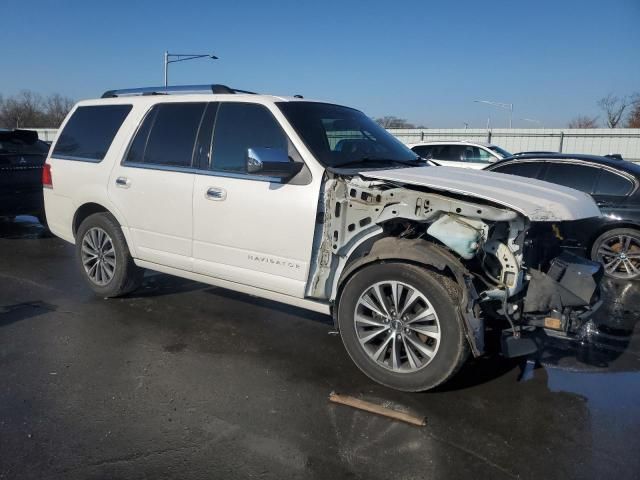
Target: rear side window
{"points": [[89, 132], [613, 184], [580, 177], [167, 135], [423, 150], [525, 169], [240, 126]]}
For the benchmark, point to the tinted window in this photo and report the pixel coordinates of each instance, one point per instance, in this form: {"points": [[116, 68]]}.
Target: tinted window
{"points": [[90, 130], [579, 177], [240, 126], [613, 184], [167, 135], [340, 136], [452, 153], [423, 150], [524, 169]]}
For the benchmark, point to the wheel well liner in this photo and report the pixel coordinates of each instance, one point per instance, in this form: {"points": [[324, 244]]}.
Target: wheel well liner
{"points": [[83, 212], [427, 254]]}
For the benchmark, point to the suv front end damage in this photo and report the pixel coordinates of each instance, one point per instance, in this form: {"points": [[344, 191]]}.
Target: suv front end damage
{"points": [[502, 258]]}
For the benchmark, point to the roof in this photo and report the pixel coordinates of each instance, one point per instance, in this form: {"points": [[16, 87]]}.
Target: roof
{"points": [[624, 165]]}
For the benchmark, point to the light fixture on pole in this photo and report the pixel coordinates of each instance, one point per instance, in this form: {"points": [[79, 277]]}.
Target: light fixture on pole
{"points": [[507, 106], [181, 57]]}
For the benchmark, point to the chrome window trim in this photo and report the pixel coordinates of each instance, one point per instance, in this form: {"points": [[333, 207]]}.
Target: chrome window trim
{"points": [[198, 171], [77, 159]]}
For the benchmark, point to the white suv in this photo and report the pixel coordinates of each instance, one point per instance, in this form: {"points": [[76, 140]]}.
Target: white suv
{"points": [[460, 153], [314, 205]]}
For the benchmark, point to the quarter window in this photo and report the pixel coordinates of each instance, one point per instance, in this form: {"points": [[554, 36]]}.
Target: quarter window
{"points": [[240, 126], [167, 135], [613, 184], [89, 132], [580, 177]]}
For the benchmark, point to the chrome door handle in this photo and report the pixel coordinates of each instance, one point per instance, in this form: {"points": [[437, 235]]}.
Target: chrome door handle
{"points": [[123, 182], [215, 193]]}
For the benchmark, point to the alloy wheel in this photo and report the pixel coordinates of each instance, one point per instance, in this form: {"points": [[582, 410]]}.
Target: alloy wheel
{"points": [[397, 326], [98, 256], [620, 255]]}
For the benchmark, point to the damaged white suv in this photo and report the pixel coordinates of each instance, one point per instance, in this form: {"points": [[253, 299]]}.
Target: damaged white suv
{"points": [[315, 205]]}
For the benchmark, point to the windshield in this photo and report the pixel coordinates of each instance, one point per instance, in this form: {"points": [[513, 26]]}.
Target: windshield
{"points": [[500, 151], [340, 136]]}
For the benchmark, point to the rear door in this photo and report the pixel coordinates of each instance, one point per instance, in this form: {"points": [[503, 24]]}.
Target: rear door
{"points": [[153, 186]]}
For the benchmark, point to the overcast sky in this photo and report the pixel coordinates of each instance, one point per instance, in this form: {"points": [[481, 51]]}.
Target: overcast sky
{"points": [[424, 61]]}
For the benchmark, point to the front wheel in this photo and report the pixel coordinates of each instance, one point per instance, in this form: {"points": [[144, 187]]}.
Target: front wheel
{"points": [[104, 257], [399, 324], [619, 251]]}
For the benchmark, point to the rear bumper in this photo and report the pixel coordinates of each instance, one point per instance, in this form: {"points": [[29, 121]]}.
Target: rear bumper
{"points": [[21, 202]]}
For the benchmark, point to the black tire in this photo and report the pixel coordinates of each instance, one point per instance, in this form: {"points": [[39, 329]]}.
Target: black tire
{"points": [[615, 240], [441, 292], [126, 275]]}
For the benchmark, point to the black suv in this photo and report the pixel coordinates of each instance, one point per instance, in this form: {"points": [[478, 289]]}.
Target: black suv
{"points": [[22, 156]]}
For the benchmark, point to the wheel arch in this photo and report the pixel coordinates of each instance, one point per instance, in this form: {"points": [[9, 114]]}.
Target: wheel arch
{"points": [[425, 254], [90, 208], [605, 228]]}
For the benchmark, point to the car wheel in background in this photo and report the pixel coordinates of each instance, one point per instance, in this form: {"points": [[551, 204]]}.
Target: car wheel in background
{"points": [[104, 258], [400, 326], [619, 251]]}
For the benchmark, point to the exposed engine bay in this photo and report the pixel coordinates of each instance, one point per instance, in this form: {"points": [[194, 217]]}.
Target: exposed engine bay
{"points": [[508, 266]]}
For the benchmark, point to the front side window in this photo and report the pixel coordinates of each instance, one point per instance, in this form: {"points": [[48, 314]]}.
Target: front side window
{"points": [[580, 177], [167, 135], [477, 155], [341, 136], [239, 127], [89, 132], [612, 184]]}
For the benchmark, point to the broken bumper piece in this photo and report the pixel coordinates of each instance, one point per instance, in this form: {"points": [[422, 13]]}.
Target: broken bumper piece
{"points": [[558, 301]]}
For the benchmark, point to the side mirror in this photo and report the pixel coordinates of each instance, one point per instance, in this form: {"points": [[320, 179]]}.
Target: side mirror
{"points": [[271, 162]]}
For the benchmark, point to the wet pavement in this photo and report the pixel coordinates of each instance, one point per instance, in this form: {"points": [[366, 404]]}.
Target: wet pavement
{"points": [[184, 380]]}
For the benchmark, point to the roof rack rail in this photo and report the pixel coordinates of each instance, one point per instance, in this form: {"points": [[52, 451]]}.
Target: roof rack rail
{"points": [[173, 90]]}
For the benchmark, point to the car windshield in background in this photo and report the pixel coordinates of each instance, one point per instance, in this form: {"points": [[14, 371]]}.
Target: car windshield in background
{"points": [[501, 151], [343, 137]]}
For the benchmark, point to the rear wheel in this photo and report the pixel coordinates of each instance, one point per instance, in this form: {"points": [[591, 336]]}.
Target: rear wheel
{"points": [[399, 324], [104, 257], [619, 251]]}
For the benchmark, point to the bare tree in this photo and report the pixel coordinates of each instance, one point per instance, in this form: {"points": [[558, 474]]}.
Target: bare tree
{"points": [[29, 110], [583, 121], [633, 120], [613, 108], [389, 121], [56, 108]]}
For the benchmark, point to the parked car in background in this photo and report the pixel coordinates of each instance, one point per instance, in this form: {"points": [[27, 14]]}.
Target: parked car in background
{"points": [[460, 153], [614, 238], [22, 157], [315, 205]]}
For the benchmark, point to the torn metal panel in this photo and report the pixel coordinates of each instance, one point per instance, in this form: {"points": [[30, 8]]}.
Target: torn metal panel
{"points": [[539, 201]]}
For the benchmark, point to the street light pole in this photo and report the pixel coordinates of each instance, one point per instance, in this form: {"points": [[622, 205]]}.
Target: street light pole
{"points": [[507, 106], [181, 57]]}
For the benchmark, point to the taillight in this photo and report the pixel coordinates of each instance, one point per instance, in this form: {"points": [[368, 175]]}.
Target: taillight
{"points": [[47, 180]]}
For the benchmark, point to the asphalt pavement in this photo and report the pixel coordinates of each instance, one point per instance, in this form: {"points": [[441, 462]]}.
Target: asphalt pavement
{"points": [[184, 380]]}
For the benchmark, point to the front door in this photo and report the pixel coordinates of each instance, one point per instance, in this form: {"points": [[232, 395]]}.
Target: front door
{"points": [[251, 229]]}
